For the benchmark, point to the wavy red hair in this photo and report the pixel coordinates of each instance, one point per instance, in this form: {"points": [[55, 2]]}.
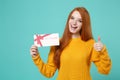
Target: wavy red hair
{"points": [[85, 33]]}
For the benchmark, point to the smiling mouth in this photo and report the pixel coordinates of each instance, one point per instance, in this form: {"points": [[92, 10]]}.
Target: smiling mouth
{"points": [[74, 27]]}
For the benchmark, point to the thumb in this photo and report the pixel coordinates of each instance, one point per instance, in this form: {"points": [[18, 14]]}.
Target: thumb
{"points": [[99, 40]]}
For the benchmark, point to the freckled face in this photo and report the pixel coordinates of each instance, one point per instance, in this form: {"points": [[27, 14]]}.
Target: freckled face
{"points": [[75, 22]]}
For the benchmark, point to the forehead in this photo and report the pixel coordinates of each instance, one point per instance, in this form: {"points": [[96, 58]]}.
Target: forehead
{"points": [[76, 14]]}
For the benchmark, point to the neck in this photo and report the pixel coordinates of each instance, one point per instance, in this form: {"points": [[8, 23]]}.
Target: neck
{"points": [[75, 35]]}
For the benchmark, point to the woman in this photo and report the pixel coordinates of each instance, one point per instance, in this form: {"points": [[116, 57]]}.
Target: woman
{"points": [[76, 51]]}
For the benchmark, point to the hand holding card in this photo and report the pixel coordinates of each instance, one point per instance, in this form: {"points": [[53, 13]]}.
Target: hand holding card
{"points": [[41, 40]]}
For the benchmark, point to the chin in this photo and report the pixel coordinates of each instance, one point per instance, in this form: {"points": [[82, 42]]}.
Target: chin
{"points": [[73, 32]]}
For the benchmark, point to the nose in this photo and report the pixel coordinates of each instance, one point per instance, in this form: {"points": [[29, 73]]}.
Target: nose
{"points": [[74, 22]]}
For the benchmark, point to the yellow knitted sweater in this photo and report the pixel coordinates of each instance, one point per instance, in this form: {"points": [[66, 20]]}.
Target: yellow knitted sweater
{"points": [[75, 61]]}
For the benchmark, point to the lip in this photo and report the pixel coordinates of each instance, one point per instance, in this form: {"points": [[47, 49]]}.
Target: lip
{"points": [[75, 27]]}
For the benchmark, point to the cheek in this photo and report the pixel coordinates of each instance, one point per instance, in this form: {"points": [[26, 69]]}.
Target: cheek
{"points": [[79, 23], [70, 21], [80, 26]]}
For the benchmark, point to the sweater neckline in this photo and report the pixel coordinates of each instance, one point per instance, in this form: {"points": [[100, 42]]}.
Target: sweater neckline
{"points": [[76, 39]]}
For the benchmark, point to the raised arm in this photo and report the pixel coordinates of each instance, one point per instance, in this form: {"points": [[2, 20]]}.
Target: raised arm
{"points": [[47, 69], [101, 58]]}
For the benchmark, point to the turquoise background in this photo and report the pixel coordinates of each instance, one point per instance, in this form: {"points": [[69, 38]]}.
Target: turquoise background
{"points": [[21, 19]]}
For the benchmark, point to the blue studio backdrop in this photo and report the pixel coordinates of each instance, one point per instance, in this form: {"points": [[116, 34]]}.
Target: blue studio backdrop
{"points": [[21, 19]]}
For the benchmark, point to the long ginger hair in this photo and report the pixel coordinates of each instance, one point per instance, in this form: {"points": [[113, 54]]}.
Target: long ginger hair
{"points": [[85, 33]]}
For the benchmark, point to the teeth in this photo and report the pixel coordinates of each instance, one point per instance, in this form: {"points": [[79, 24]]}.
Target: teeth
{"points": [[74, 28]]}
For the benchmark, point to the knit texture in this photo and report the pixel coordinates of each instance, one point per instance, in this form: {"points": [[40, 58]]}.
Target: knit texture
{"points": [[75, 61]]}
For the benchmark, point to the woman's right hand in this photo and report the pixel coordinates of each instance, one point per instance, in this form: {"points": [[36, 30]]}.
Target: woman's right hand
{"points": [[34, 51]]}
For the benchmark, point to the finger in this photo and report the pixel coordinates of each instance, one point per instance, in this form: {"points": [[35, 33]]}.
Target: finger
{"points": [[97, 44], [97, 47], [34, 46], [33, 50], [99, 40]]}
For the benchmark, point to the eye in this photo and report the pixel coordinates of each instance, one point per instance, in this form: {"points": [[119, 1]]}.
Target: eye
{"points": [[80, 20], [71, 17]]}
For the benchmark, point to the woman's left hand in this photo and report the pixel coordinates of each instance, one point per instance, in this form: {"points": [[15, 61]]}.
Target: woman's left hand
{"points": [[98, 46]]}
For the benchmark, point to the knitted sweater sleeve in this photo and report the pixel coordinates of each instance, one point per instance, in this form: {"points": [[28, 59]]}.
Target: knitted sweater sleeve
{"points": [[47, 69], [101, 59]]}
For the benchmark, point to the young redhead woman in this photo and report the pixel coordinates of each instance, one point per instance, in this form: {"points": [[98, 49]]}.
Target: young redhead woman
{"points": [[76, 51]]}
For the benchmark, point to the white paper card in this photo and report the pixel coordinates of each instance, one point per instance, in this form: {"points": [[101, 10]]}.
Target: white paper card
{"points": [[41, 40]]}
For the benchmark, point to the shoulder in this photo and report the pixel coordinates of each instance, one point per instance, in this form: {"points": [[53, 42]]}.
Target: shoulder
{"points": [[90, 42]]}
